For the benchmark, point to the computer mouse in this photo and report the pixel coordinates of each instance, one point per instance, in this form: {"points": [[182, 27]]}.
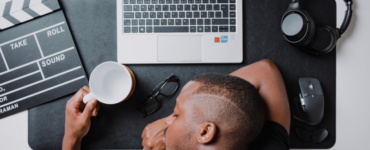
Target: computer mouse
{"points": [[309, 106]]}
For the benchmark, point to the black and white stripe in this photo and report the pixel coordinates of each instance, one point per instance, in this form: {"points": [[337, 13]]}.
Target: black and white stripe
{"points": [[14, 12]]}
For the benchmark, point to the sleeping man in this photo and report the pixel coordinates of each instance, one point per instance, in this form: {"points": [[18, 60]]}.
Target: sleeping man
{"points": [[247, 109]]}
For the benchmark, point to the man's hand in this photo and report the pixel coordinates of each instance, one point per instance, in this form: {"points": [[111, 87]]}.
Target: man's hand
{"points": [[153, 135], [77, 122]]}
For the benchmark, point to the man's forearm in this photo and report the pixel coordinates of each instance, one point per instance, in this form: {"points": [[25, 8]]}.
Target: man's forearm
{"points": [[266, 77], [71, 143]]}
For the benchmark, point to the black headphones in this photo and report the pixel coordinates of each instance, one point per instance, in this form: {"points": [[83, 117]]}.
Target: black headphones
{"points": [[299, 29]]}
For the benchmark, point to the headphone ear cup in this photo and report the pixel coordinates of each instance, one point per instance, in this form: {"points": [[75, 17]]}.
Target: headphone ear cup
{"points": [[298, 27], [324, 41]]}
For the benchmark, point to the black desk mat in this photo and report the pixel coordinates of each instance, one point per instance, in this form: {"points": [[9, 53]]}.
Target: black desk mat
{"points": [[93, 25]]}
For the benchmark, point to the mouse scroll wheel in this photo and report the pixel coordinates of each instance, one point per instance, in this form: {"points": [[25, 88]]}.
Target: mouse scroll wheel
{"points": [[310, 86]]}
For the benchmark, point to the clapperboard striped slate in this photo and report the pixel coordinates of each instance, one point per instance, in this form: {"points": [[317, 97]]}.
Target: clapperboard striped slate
{"points": [[14, 12], [39, 61]]}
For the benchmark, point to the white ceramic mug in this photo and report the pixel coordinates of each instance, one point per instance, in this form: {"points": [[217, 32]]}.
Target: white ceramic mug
{"points": [[111, 83]]}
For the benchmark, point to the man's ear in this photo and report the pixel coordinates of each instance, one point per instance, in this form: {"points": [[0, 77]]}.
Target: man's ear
{"points": [[207, 133]]}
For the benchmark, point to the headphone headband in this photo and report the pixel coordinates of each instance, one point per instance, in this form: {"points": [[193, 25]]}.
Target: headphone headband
{"points": [[347, 18]]}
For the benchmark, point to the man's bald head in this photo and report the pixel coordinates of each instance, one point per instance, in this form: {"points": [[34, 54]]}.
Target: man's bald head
{"points": [[232, 103]]}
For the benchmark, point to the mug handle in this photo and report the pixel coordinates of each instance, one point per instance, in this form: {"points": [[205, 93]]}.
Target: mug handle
{"points": [[88, 97]]}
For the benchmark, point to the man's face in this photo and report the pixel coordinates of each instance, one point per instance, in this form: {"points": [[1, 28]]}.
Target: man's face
{"points": [[179, 133]]}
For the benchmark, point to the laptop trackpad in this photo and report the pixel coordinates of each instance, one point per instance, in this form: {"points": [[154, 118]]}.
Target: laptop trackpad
{"points": [[179, 48]]}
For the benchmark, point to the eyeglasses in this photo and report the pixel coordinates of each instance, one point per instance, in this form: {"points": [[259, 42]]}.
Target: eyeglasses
{"points": [[166, 88]]}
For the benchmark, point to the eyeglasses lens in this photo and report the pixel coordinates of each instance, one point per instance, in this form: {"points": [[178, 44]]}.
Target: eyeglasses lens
{"points": [[149, 106], [169, 88]]}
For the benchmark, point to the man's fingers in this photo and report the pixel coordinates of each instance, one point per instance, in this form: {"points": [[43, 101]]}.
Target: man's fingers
{"points": [[87, 89], [145, 137], [96, 110], [79, 95], [144, 132], [143, 142], [90, 106], [77, 99], [146, 148]]}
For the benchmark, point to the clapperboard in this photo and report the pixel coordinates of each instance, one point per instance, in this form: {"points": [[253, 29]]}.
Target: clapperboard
{"points": [[39, 61]]}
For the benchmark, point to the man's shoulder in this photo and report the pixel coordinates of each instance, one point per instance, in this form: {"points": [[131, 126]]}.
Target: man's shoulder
{"points": [[273, 136]]}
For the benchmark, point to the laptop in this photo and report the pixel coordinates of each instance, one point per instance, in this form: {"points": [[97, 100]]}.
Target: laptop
{"points": [[179, 31]]}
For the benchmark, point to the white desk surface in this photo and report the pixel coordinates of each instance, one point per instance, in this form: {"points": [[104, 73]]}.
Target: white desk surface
{"points": [[353, 85]]}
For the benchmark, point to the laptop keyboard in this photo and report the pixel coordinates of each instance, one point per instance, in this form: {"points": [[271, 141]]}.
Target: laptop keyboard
{"points": [[179, 16]]}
